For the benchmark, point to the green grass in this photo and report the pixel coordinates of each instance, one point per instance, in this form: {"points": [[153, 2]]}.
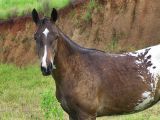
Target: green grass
{"points": [[27, 95], [50, 106], [24, 94], [14, 8], [88, 16]]}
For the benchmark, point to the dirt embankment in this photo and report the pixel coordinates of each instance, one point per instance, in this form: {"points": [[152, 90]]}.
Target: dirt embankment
{"points": [[16, 41], [110, 25]]}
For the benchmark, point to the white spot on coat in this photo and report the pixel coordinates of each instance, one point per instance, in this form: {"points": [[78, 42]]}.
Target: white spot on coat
{"points": [[147, 99], [141, 77], [154, 69], [152, 86], [146, 94], [45, 32]]}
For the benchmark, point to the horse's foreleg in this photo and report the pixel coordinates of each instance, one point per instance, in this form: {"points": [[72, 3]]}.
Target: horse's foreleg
{"points": [[86, 116], [82, 116], [70, 118]]}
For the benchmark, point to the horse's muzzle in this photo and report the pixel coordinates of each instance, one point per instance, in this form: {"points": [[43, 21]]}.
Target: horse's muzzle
{"points": [[47, 71]]}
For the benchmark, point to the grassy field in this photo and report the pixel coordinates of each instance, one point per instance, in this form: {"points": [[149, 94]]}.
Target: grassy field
{"points": [[13, 8], [27, 95]]}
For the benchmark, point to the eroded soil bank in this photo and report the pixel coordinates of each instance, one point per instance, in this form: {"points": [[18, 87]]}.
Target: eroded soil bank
{"points": [[110, 25]]}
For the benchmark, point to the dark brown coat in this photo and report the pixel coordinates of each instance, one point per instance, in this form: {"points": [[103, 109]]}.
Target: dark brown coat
{"points": [[91, 83]]}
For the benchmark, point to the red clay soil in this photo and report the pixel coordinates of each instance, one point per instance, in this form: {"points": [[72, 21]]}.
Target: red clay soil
{"points": [[112, 25], [16, 41]]}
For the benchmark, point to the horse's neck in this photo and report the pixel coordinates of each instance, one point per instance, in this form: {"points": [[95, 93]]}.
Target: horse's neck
{"points": [[66, 49]]}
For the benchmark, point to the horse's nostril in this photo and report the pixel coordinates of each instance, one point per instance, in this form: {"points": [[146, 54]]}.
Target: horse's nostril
{"points": [[50, 67], [43, 69], [47, 70]]}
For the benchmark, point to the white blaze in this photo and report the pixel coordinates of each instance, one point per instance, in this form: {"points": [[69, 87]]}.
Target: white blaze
{"points": [[44, 63]]}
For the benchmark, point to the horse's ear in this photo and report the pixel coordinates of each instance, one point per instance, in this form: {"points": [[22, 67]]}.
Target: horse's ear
{"points": [[54, 15], [35, 16]]}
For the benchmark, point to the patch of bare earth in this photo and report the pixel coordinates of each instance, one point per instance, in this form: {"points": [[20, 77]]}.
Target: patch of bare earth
{"points": [[16, 41], [111, 25]]}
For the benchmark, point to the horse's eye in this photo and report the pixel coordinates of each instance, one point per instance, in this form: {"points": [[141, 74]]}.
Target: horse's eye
{"points": [[56, 36], [36, 36]]}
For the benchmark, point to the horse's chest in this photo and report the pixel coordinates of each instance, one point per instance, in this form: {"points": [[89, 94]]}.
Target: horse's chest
{"points": [[63, 99], [65, 104]]}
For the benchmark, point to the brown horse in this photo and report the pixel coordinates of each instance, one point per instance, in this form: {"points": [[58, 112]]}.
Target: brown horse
{"points": [[92, 83]]}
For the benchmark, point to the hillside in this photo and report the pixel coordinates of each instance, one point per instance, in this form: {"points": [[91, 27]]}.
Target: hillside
{"points": [[110, 25], [14, 8]]}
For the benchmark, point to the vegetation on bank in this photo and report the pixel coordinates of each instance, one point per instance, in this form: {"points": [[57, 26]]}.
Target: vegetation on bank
{"points": [[14, 8]]}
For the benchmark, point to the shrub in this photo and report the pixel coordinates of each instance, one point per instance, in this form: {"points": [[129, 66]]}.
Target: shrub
{"points": [[88, 16]]}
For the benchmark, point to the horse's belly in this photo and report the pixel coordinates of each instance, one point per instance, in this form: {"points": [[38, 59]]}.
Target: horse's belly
{"points": [[128, 105], [126, 109]]}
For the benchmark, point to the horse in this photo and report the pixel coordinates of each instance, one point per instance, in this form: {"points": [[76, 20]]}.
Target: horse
{"points": [[91, 83]]}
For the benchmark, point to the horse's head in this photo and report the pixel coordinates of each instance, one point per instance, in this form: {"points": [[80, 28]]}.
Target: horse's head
{"points": [[46, 40]]}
